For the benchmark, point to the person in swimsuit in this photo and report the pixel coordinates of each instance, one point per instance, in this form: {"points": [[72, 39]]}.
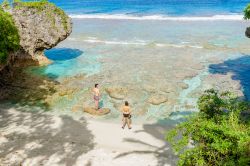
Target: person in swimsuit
{"points": [[96, 94], [126, 115]]}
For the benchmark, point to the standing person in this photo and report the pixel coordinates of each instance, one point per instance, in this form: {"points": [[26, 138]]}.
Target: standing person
{"points": [[96, 93], [126, 110]]}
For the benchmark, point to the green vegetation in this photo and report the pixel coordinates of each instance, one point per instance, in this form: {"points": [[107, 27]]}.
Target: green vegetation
{"points": [[43, 5], [8, 32], [8, 35], [5, 4], [247, 12], [219, 134]]}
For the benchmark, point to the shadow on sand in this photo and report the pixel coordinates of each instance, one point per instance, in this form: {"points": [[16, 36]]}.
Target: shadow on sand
{"points": [[42, 137], [29, 133], [163, 154], [240, 68], [26, 89]]}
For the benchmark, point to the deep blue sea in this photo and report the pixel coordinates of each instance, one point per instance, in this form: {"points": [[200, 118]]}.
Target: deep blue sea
{"points": [[153, 7]]}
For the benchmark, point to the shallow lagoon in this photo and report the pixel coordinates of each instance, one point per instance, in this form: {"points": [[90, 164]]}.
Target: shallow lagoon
{"points": [[160, 67]]}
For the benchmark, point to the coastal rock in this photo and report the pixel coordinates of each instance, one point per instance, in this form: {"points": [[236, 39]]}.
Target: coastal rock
{"points": [[247, 32], [149, 88], [39, 28], [118, 93], [157, 99], [197, 66], [182, 85], [93, 111], [185, 74], [76, 108]]}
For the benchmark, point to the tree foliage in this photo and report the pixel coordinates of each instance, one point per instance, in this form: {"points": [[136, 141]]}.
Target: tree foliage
{"points": [[8, 34], [218, 134], [247, 12], [5, 4]]}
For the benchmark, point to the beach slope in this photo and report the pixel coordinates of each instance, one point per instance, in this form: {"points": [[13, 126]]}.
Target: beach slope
{"points": [[40, 138]]}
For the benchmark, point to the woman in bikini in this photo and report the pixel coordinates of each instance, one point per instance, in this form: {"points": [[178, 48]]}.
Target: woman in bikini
{"points": [[126, 115], [96, 94]]}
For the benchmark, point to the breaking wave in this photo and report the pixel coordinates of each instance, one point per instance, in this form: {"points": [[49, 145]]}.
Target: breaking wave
{"points": [[158, 17]]}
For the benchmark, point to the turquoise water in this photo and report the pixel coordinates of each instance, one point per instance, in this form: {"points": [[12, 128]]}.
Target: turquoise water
{"points": [[93, 39], [137, 54], [151, 49], [68, 62]]}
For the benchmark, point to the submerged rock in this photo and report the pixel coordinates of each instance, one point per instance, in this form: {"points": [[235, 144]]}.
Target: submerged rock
{"points": [[182, 85], [117, 92], [157, 99], [93, 111]]}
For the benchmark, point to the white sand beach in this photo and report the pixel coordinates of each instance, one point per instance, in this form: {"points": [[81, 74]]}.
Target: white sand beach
{"points": [[40, 138]]}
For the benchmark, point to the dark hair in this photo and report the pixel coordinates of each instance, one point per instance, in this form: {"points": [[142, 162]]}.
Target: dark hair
{"points": [[126, 103], [96, 85]]}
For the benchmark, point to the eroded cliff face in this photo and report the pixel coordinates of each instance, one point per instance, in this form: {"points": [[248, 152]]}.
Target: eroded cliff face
{"points": [[41, 25], [39, 28]]}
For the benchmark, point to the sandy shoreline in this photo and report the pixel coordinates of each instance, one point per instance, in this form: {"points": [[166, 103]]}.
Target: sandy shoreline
{"points": [[39, 138]]}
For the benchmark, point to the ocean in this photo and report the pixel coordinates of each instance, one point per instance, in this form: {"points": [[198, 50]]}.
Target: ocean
{"points": [[159, 55], [153, 7]]}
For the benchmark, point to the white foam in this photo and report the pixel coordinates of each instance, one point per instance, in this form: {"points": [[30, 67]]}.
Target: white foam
{"points": [[234, 17], [137, 42], [114, 42], [72, 39], [178, 45]]}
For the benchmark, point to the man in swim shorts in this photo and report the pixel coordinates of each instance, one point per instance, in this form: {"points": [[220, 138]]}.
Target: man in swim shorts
{"points": [[96, 94]]}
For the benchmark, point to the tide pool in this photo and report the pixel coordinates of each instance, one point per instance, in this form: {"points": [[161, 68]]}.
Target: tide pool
{"points": [[160, 67]]}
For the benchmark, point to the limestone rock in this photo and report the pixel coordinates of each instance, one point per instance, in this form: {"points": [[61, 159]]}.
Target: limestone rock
{"points": [[39, 29], [93, 111], [118, 93], [197, 66], [182, 85], [157, 99]]}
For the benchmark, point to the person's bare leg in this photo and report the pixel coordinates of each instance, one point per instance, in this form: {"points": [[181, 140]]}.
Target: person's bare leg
{"points": [[129, 123], [96, 104], [123, 119], [124, 122]]}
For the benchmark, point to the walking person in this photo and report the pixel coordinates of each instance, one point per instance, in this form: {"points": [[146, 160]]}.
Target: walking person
{"points": [[96, 93], [126, 110]]}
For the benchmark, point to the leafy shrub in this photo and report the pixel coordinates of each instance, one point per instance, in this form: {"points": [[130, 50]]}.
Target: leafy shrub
{"points": [[8, 35], [217, 134], [247, 12], [5, 4]]}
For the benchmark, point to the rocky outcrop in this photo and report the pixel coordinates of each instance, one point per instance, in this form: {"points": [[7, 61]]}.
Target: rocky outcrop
{"points": [[157, 99], [118, 93], [93, 111], [41, 26], [247, 32]]}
